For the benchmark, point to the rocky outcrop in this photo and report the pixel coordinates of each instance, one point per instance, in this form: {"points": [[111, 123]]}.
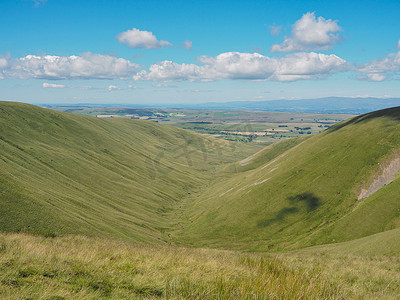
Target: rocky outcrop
{"points": [[385, 175]]}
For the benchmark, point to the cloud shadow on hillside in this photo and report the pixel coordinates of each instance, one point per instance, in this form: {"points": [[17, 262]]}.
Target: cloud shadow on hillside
{"points": [[311, 201], [280, 216]]}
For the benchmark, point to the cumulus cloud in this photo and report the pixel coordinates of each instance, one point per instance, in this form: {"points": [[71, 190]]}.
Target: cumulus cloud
{"points": [[86, 66], [310, 33], [136, 38], [187, 45], [170, 71], [248, 66], [3, 63], [380, 69], [53, 85], [3, 66], [112, 87]]}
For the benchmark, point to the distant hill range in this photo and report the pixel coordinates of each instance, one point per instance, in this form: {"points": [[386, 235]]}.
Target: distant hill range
{"points": [[329, 105]]}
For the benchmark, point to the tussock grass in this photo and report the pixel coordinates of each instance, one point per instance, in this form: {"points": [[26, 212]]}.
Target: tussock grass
{"points": [[361, 277], [88, 268], [74, 267]]}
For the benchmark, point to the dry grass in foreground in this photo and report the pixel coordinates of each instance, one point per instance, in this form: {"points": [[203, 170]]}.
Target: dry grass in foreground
{"points": [[87, 268]]}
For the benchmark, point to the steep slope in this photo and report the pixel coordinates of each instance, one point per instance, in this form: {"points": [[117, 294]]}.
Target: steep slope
{"points": [[303, 196], [64, 173]]}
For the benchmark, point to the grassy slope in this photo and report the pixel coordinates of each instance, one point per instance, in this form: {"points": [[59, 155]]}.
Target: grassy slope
{"points": [[385, 243], [305, 196], [74, 267], [65, 173]]}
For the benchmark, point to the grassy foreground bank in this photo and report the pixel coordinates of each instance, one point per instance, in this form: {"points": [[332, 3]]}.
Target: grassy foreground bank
{"points": [[71, 267]]}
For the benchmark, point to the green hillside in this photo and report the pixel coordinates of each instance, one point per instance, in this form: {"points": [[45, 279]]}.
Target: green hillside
{"points": [[66, 173], [385, 243], [302, 195]]}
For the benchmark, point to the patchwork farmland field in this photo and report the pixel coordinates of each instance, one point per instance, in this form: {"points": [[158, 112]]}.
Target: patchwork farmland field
{"points": [[256, 127]]}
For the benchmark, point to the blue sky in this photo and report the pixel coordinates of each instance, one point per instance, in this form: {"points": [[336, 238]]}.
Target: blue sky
{"points": [[141, 52]]}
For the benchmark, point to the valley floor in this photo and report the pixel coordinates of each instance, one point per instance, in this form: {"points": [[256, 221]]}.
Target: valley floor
{"points": [[74, 267]]}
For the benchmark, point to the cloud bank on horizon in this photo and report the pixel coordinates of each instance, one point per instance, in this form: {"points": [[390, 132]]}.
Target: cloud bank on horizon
{"points": [[302, 61], [248, 66], [86, 66]]}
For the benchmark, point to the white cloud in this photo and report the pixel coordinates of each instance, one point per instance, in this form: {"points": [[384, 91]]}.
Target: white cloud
{"points": [[187, 45], [85, 87], [372, 77], [136, 38], [53, 85], [112, 87], [169, 71], [248, 66], [310, 33], [3, 66], [3, 62], [398, 44], [86, 66], [380, 69]]}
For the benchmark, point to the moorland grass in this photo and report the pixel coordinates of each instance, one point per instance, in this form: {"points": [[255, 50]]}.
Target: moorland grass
{"points": [[74, 267]]}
